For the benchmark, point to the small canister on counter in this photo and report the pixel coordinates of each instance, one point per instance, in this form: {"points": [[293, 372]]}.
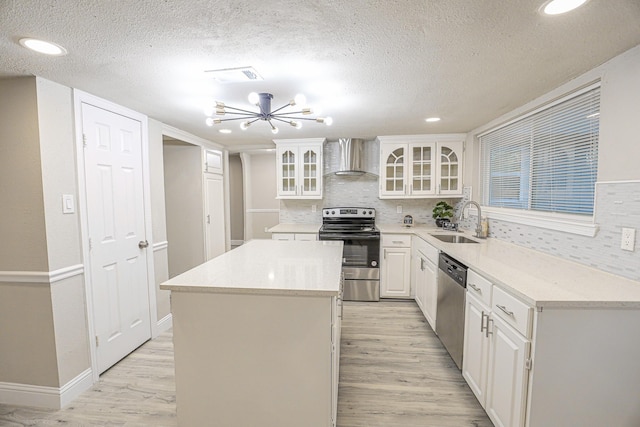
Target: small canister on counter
{"points": [[408, 221]]}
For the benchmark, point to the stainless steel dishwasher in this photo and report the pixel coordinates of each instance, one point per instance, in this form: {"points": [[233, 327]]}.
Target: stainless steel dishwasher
{"points": [[452, 281]]}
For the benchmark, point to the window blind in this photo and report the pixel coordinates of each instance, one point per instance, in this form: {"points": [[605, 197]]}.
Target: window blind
{"points": [[546, 161]]}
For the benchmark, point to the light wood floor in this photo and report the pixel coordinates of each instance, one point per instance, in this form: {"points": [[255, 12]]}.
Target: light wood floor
{"points": [[393, 372]]}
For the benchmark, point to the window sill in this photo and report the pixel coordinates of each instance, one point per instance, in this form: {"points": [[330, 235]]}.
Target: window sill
{"points": [[550, 221]]}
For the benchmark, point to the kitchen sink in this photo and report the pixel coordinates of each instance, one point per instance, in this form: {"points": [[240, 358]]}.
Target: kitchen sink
{"points": [[453, 238]]}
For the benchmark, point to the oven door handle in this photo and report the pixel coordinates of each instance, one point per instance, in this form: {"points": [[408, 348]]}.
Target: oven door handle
{"points": [[334, 236]]}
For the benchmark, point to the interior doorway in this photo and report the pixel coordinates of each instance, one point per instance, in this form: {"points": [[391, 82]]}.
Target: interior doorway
{"points": [[184, 205]]}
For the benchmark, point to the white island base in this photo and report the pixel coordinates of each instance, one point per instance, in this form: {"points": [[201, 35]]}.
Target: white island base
{"points": [[259, 356]]}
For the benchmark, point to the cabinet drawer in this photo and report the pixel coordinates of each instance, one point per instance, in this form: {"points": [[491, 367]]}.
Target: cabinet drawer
{"points": [[396, 240], [283, 236], [479, 287], [513, 311]]}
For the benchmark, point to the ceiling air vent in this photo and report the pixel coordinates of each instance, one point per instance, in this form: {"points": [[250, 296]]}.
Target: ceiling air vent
{"points": [[235, 75]]}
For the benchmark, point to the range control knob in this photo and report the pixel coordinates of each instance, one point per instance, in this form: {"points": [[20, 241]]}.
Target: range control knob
{"points": [[364, 212], [370, 212], [333, 212]]}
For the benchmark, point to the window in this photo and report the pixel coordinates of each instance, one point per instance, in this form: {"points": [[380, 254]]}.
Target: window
{"points": [[546, 161]]}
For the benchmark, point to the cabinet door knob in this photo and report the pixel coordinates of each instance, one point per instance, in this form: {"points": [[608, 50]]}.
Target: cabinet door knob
{"points": [[143, 244]]}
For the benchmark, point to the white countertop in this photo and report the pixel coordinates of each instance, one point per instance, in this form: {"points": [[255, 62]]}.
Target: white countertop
{"points": [[295, 228], [309, 268], [540, 279]]}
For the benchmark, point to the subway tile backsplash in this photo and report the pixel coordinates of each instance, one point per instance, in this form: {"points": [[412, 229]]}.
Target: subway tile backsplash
{"points": [[617, 206]]}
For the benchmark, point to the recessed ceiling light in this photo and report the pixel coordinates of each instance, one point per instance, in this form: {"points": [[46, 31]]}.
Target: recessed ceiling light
{"points": [[42, 46], [432, 119], [225, 131], [557, 7]]}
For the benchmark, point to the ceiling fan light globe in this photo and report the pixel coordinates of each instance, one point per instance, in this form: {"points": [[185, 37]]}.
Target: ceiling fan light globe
{"points": [[254, 98], [300, 99]]}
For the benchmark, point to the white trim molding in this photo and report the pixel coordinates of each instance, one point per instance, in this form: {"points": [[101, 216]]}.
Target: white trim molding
{"points": [[262, 211], [43, 396], [158, 246], [43, 277], [557, 222], [164, 324]]}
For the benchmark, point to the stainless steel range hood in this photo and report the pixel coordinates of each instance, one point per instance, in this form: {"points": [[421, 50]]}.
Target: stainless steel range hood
{"points": [[351, 156]]}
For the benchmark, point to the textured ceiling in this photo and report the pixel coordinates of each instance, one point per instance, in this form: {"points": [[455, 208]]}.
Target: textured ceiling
{"points": [[378, 67]]}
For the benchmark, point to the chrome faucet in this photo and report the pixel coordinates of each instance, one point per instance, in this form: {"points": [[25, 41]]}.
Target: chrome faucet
{"points": [[479, 226]]}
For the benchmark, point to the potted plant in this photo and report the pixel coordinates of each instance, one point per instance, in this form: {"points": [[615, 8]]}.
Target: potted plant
{"points": [[442, 212]]}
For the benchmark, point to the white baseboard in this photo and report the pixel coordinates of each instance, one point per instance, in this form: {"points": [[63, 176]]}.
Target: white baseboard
{"points": [[164, 324], [43, 396], [237, 242]]}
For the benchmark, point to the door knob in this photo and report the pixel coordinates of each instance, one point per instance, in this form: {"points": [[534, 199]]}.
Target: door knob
{"points": [[143, 244]]}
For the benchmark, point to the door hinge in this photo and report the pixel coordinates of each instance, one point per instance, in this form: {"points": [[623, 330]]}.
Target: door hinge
{"points": [[97, 341], [528, 364], [84, 139], [90, 244]]}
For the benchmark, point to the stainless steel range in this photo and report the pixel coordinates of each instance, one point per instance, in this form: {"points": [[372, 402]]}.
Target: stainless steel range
{"points": [[361, 254]]}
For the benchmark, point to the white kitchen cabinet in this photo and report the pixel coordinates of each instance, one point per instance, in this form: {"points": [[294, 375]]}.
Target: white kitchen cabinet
{"points": [[496, 356], [475, 362], [213, 161], [425, 278], [507, 375], [395, 266], [294, 236], [421, 166], [299, 168]]}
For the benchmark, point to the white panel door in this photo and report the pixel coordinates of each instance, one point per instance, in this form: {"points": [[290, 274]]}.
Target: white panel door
{"points": [[214, 215], [115, 211]]}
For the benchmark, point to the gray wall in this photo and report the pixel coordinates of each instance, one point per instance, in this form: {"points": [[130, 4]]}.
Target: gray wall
{"points": [[183, 205], [236, 198], [43, 325]]}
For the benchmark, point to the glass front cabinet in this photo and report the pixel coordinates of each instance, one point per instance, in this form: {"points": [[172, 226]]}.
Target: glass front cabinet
{"points": [[299, 168], [420, 166]]}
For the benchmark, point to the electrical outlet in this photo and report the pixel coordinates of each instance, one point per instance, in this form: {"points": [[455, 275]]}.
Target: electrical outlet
{"points": [[399, 209], [628, 240], [314, 208]]}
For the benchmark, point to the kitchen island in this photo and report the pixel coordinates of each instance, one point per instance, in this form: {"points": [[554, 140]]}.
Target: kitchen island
{"points": [[256, 336]]}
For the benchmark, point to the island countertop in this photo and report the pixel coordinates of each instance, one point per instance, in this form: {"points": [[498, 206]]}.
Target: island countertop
{"points": [[268, 267]]}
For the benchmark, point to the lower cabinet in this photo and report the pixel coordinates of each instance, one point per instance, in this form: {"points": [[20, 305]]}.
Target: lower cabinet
{"points": [[496, 354], [424, 277], [475, 363], [571, 365], [395, 266], [507, 374], [294, 236]]}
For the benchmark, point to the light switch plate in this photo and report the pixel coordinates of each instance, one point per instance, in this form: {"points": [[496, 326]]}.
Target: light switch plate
{"points": [[628, 240], [399, 209], [68, 204]]}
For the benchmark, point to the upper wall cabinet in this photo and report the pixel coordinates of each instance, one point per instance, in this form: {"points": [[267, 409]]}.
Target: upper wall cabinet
{"points": [[421, 166], [213, 161], [299, 168]]}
